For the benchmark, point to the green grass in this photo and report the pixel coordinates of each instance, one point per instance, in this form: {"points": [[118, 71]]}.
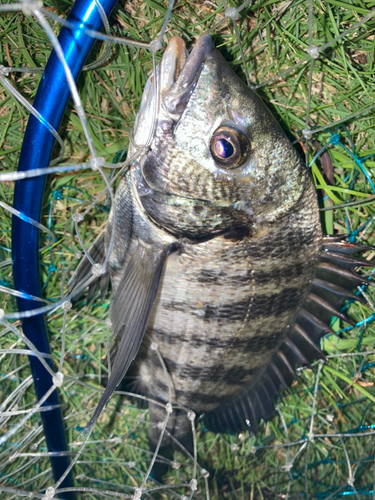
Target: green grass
{"points": [[274, 37]]}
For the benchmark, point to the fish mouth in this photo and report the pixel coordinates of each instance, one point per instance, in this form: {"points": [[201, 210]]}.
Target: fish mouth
{"points": [[179, 72], [176, 78]]}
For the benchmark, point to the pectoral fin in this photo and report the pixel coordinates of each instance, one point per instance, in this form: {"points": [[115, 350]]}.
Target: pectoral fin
{"points": [[131, 310]]}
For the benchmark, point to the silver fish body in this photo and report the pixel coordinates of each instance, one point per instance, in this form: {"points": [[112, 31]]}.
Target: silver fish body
{"points": [[217, 244]]}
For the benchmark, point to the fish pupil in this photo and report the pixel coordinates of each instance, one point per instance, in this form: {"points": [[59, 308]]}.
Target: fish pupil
{"points": [[224, 149]]}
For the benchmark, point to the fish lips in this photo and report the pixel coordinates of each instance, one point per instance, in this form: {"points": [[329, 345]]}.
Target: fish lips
{"points": [[179, 74], [176, 77]]}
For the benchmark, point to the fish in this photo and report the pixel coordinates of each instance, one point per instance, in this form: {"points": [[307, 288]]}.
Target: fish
{"points": [[223, 283]]}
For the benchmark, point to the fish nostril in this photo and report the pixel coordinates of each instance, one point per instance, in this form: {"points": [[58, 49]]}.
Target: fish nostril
{"points": [[198, 209]]}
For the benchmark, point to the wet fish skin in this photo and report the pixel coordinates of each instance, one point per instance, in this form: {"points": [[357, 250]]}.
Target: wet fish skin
{"points": [[216, 310], [237, 247], [223, 309], [180, 163]]}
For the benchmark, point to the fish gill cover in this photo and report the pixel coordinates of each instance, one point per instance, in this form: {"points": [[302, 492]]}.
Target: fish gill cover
{"points": [[312, 63]]}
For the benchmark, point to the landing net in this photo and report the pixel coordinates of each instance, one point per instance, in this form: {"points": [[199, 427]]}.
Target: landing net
{"points": [[313, 64]]}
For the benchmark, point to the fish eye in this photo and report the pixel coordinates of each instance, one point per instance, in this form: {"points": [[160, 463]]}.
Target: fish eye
{"points": [[229, 147]]}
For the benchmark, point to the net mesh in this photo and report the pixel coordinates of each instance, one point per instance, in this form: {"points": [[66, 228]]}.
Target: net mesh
{"points": [[312, 62]]}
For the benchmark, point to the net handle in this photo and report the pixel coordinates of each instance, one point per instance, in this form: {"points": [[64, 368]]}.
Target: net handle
{"points": [[51, 100]]}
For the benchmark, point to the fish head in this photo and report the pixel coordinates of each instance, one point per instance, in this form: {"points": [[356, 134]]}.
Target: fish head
{"points": [[217, 160]]}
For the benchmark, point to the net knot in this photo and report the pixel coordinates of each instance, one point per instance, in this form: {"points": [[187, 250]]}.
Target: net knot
{"points": [[77, 217], [231, 13], [155, 45], [58, 379], [191, 416], [307, 133], [96, 162], [193, 485], [205, 474], [335, 139], [28, 8], [67, 305], [50, 493], [154, 346], [98, 269], [287, 467], [137, 494], [313, 52], [57, 194], [4, 71]]}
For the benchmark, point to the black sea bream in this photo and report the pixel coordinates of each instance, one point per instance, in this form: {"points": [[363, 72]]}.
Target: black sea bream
{"points": [[219, 263]]}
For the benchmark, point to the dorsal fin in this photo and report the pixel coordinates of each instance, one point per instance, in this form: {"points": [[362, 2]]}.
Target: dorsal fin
{"points": [[335, 277]]}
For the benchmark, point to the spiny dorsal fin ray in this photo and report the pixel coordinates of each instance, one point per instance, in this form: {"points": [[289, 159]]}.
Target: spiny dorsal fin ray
{"points": [[234, 416], [335, 278], [344, 261], [313, 325], [131, 309], [304, 341], [268, 401], [285, 365], [299, 355], [342, 277], [323, 309], [332, 293], [280, 380], [333, 244], [264, 406], [253, 414]]}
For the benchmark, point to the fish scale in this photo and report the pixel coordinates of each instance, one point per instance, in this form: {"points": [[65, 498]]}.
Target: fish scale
{"points": [[218, 256], [228, 310]]}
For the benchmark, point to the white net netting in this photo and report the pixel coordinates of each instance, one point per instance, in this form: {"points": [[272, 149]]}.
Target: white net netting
{"points": [[312, 62]]}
